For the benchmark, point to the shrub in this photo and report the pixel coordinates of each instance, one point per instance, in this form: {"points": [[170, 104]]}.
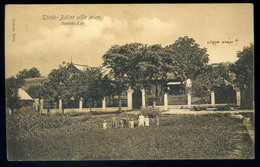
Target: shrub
{"points": [[104, 112], [223, 108], [25, 110], [151, 112]]}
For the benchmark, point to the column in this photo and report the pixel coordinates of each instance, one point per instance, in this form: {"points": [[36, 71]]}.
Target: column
{"points": [[60, 105], [129, 99], [189, 99], [143, 98], [165, 101], [238, 97], [212, 98], [42, 103], [80, 104], [104, 104]]}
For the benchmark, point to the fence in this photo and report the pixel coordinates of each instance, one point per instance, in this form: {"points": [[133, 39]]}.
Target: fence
{"points": [[111, 103]]}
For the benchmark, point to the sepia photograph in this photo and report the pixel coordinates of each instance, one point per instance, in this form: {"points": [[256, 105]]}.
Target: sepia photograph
{"points": [[129, 82]]}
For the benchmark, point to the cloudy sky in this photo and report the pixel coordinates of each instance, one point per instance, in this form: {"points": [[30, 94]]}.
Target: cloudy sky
{"points": [[33, 40]]}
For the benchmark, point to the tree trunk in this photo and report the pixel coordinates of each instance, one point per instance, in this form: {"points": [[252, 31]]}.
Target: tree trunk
{"points": [[89, 105], [161, 92], [146, 98], [156, 90], [228, 98]]}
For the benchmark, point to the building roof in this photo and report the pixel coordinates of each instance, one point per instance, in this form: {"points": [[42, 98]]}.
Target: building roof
{"points": [[80, 67], [23, 95]]}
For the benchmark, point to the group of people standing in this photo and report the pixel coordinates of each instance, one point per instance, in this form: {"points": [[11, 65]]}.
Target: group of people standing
{"points": [[124, 122]]}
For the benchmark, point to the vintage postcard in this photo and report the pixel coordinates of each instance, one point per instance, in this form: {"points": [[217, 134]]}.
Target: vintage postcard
{"points": [[129, 82]]}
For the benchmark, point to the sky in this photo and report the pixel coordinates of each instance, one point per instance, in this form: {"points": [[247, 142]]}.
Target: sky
{"points": [[43, 36]]}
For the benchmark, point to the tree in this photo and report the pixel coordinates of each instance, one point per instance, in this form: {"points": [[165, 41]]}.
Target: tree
{"points": [[12, 97], [70, 84], [96, 85], [36, 91], [31, 73], [214, 78], [120, 60], [152, 65], [64, 83], [244, 71], [136, 63], [188, 55]]}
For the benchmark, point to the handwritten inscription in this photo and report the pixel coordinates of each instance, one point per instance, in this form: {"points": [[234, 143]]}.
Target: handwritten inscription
{"points": [[13, 30], [218, 42], [71, 19]]}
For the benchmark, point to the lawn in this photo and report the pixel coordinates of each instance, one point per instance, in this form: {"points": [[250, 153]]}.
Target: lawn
{"points": [[31, 136]]}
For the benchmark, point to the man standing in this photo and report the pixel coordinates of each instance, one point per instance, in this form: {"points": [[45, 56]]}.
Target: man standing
{"points": [[131, 123], [113, 121], [104, 124], [141, 120], [146, 121]]}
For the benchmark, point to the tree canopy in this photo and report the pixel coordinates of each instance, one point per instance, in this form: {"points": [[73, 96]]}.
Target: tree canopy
{"points": [[244, 67], [12, 97], [190, 58], [31, 73], [70, 84], [244, 72]]}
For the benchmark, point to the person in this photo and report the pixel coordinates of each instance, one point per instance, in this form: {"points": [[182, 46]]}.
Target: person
{"points": [[121, 123], [141, 120], [146, 121], [113, 121], [157, 120], [132, 125], [125, 122], [104, 124]]}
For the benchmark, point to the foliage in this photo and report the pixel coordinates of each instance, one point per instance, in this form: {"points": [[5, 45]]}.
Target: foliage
{"points": [[12, 97], [31, 73], [36, 91], [190, 58], [63, 137], [119, 60], [151, 112], [70, 84], [244, 71], [244, 67], [213, 78], [136, 63], [96, 85], [104, 112]]}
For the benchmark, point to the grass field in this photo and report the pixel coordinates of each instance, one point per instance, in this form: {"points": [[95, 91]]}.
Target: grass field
{"points": [[31, 136]]}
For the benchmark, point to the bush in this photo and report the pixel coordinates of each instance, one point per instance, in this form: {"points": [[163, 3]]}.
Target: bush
{"points": [[25, 110], [223, 108], [104, 112], [151, 112], [198, 108]]}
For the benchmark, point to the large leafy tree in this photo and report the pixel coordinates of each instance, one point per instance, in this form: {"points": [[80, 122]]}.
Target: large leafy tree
{"points": [[12, 97], [31, 73], [96, 85], [70, 84], [244, 71], [190, 57], [136, 63], [213, 79], [120, 61], [64, 83], [36, 91], [153, 65]]}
